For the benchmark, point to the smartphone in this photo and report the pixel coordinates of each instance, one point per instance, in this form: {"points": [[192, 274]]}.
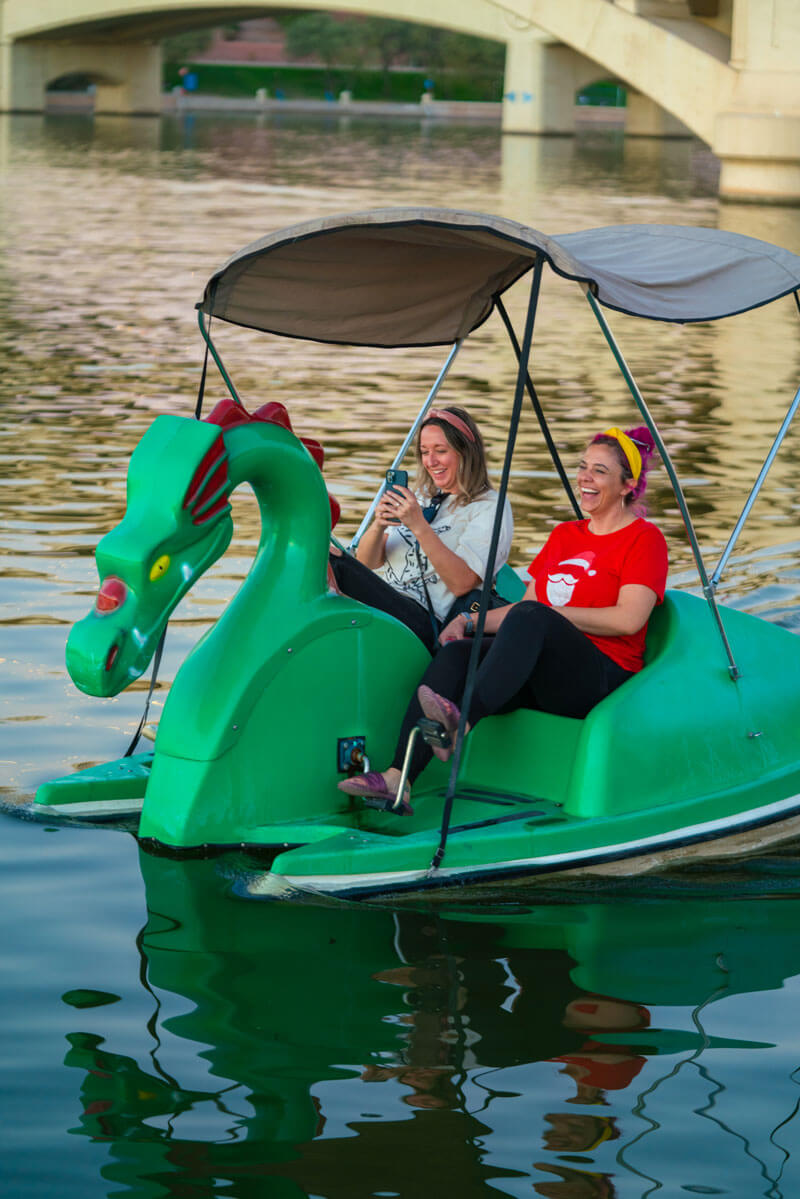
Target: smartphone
{"points": [[395, 479]]}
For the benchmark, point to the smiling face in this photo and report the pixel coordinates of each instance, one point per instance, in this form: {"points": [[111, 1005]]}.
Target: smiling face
{"points": [[439, 458], [601, 486]]}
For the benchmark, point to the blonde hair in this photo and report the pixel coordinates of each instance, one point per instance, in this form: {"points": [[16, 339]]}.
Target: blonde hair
{"points": [[472, 477]]}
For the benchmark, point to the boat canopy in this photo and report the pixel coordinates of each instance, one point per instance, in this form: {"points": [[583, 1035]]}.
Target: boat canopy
{"points": [[429, 276]]}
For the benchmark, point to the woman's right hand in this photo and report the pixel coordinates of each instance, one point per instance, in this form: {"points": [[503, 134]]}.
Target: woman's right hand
{"points": [[399, 507]]}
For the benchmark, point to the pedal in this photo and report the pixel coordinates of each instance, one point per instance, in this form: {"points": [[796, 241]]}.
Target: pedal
{"points": [[388, 805], [434, 733]]}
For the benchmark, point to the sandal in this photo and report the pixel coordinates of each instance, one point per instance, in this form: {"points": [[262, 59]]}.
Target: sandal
{"points": [[376, 793], [443, 712]]}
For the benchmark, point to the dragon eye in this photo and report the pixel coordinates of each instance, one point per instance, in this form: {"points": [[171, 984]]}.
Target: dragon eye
{"points": [[159, 567]]}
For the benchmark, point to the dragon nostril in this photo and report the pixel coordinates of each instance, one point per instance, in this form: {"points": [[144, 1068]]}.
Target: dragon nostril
{"points": [[111, 595], [112, 656]]}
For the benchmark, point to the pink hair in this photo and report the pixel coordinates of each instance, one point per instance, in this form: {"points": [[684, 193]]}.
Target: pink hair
{"points": [[643, 439]]}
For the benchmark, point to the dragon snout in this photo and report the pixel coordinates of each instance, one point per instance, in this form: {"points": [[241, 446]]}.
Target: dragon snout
{"points": [[111, 596], [105, 651], [95, 656]]}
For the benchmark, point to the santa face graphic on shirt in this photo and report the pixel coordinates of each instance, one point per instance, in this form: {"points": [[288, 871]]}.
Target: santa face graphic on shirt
{"points": [[561, 582]]}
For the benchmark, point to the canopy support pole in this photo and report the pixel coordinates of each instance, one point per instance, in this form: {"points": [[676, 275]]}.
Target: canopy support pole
{"points": [[469, 684], [715, 578], [708, 586], [210, 345], [412, 432], [537, 407]]}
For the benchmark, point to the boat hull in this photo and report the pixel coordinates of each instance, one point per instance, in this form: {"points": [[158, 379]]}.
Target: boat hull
{"points": [[735, 837], [681, 756]]}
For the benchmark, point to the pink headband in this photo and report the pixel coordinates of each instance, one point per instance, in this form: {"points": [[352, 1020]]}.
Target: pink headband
{"points": [[449, 418]]}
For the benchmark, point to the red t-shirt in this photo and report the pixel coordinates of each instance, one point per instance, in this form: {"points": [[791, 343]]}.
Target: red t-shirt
{"points": [[580, 569]]}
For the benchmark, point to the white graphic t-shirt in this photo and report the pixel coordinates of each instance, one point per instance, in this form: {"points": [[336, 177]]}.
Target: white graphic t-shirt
{"points": [[466, 530]]}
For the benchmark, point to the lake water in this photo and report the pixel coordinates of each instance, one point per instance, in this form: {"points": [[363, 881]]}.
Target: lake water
{"points": [[164, 1036]]}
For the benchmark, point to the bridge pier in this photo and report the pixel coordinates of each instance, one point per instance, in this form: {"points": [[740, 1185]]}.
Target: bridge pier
{"points": [[759, 155], [541, 80], [756, 133], [127, 75], [645, 118]]}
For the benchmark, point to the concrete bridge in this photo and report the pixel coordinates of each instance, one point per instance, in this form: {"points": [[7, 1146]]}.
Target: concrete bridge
{"points": [[727, 71]]}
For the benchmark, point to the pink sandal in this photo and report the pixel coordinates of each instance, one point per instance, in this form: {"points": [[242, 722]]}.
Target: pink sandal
{"points": [[444, 712], [376, 793]]}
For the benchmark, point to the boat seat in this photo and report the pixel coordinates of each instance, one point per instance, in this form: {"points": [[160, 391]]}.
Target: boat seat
{"points": [[503, 751]]}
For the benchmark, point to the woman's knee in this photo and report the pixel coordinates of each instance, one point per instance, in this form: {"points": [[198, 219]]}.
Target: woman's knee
{"points": [[529, 613], [448, 667]]}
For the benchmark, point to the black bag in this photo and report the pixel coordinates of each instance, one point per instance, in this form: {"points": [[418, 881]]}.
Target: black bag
{"points": [[471, 602]]}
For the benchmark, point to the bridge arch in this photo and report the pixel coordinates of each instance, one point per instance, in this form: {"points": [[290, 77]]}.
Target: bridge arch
{"points": [[535, 31], [736, 89]]}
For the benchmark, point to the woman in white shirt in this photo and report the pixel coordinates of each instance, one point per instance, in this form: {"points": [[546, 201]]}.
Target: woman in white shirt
{"points": [[434, 539]]}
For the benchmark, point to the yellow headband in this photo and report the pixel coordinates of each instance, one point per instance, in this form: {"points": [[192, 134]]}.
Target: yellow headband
{"points": [[629, 450]]}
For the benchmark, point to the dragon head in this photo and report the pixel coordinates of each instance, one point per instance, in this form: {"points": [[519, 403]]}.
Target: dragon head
{"points": [[176, 525]]}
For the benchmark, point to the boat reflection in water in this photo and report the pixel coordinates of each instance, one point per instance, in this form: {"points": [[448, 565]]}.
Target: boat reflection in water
{"points": [[569, 1049]]}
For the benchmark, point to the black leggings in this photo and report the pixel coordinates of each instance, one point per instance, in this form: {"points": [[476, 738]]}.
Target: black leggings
{"points": [[355, 579], [538, 660]]}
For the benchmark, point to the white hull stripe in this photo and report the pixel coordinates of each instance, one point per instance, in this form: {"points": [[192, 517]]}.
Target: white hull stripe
{"points": [[98, 807], [696, 832]]}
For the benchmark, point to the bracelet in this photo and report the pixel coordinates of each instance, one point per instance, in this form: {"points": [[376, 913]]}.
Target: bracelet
{"points": [[469, 627]]}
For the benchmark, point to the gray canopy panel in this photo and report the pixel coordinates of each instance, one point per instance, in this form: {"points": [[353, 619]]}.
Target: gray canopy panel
{"points": [[681, 272], [428, 276]]}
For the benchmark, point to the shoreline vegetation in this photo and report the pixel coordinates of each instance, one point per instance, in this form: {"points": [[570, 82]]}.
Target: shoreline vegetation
{"points": [[400, 91], [404, 85]]}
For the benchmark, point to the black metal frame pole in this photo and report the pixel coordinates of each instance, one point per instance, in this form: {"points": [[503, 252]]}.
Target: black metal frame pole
{"points": [[784, 429], [540, 416], [210, 345], [469, 685], [638, 398]]}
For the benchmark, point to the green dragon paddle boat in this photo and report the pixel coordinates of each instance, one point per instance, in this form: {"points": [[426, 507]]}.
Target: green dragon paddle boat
{"points": [[286, 693]]}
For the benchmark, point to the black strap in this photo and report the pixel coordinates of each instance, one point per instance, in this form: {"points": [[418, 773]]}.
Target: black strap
{"points": [[153, 677], [429, 512], [431, 613]]}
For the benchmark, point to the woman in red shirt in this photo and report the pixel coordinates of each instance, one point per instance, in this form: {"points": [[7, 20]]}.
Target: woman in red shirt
{"points": [[579, 631]]}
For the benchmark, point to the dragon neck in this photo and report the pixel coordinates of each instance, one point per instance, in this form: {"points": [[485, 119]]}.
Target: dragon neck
{"points": [[226, 672], [290, 564]]}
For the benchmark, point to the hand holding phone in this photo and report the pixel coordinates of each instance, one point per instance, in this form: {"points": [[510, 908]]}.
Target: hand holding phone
{"points": [[394, 480]]}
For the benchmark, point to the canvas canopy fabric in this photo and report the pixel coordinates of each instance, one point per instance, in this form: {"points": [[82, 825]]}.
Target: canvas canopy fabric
{"points": [[429, 276]]}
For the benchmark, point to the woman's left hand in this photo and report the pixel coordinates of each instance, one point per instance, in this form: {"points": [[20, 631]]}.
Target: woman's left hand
{"points": [[401, 505], [454, 631]]}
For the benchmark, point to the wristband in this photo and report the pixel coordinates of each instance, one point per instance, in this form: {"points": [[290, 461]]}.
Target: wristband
{"points": [[469, 627]]}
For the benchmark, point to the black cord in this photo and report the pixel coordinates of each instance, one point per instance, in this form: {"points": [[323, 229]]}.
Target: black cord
{"points": [[198, 408], [153, 677], [472, 668], [537, 407]]}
